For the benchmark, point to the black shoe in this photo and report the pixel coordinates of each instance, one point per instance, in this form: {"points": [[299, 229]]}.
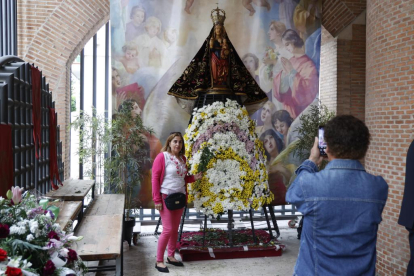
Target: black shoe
{"points": [[162, 269], [174, 263]]}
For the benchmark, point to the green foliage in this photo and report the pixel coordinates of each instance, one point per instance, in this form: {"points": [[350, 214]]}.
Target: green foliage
{"points": [[205, 158], [124, 142], [318, 115], [72, 103]]}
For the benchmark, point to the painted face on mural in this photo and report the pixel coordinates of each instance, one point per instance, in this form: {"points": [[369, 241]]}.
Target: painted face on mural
{"points": [[281, 127], [130, 54], [176, 145], [136, 110], [270, 145], [138, 17], [152, 30], [266, 115], [250, 64], [116, 78], [273, 34], [289, 45]]}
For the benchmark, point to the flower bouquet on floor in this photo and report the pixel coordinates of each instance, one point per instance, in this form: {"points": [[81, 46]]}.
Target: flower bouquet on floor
{"points": [[221, 142], [31, 243]]}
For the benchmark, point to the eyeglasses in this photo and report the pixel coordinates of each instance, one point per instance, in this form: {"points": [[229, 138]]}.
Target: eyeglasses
{"points": [[175, 132]]}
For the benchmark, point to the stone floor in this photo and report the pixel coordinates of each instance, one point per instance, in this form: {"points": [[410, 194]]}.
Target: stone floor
{"points": [[140, 259]]}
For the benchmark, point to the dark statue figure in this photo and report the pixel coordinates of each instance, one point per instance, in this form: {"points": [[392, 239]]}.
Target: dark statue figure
{"points": [[217, 69]]}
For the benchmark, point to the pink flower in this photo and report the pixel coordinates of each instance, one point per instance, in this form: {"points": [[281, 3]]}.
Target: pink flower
{"points": [[17, 194], [53, 235]]}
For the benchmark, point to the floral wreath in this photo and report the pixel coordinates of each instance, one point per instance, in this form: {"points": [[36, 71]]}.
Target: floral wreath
{"points": [[221, 142]]}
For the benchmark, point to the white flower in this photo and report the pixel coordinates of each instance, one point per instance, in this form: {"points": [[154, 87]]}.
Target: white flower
{"points": [[75, 238], [29, 238], [15, 262], [19, 230], [34, 225]]}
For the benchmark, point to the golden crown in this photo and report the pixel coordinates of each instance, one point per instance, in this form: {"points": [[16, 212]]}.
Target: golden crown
{"points": [[218, 16]]}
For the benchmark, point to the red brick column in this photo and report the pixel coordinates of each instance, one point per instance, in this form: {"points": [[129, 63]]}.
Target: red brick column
{"points": [[389, 116]]}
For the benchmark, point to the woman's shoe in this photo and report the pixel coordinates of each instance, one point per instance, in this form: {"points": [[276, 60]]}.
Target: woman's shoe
{"points": [[162, 269], [174, 263]]}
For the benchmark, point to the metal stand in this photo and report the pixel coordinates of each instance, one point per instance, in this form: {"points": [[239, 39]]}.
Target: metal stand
{"points": [[182, 223], [272, 214], [230, 227], [252, 224], [267, 221]]}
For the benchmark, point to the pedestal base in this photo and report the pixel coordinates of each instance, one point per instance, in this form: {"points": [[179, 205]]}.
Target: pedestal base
{"points": [[217, 245]]}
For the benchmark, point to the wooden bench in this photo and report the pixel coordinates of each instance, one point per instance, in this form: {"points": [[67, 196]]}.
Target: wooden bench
{"points": [[68, 212], [102, 231], [74, 190]]}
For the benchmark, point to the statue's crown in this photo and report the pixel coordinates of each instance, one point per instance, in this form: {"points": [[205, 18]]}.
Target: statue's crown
{"points": [[218, 16]]}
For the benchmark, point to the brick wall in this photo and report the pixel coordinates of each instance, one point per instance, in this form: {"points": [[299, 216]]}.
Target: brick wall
{"points": [[51, 34], [328, 71], [342, 74], [389, 115]]}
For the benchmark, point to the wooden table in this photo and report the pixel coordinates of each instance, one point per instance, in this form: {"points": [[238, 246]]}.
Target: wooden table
{"points": [[74, 190], [102, 231], [102, 237], [106, 204], [68, 211]]}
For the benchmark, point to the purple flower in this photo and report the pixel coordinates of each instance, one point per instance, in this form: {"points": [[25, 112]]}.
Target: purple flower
{"points": [[49, 268], [4, 231], [72, 256], [53, 235]]}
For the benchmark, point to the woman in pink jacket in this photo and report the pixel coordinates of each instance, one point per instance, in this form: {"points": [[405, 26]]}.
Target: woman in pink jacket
{"points": [[169, 175]]}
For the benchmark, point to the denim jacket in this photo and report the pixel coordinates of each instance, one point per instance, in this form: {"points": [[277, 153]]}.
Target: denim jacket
{"points": [[342, 208]]}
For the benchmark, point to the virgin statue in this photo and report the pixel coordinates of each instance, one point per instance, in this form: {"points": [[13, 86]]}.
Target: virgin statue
{"points": [[217, 72]]}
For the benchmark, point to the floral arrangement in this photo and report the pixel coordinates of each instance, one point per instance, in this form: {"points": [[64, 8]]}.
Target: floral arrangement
{"points": [[30, 242], [221, 142], [270, 54]]}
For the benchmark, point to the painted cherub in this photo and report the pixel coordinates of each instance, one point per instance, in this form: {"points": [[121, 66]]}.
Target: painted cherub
{"points": [[260, 3], [130, 57]]}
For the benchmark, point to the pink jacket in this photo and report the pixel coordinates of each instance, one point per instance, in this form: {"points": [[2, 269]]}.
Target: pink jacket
{"points": [[158, 169]]}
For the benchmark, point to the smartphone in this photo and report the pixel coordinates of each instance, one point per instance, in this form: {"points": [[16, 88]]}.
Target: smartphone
{"points": [[322, 143]]}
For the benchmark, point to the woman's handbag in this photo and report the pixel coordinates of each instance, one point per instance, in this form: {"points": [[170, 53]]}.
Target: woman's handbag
{"points": [[175, 201]]}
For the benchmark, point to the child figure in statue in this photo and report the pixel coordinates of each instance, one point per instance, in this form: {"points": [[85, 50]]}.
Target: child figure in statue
{"points": [[219, 53]]}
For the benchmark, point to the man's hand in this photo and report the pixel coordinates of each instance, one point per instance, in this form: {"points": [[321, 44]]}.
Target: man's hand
{"points": [[315, 155]]}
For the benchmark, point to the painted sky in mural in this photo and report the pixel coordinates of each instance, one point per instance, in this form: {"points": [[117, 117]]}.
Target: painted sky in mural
{"points": [[154, 40]]}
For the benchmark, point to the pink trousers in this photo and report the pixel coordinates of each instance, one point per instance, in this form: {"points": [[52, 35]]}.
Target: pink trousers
{"points": [[170, 223]]}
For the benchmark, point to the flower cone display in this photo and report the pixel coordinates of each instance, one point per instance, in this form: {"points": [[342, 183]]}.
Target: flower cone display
{"points": [[221, 142]]}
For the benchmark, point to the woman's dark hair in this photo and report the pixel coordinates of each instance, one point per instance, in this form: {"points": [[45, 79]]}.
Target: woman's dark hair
{"points": [[169, 139], [347, 137], [278, 140], [293, 37], [282, 116]]}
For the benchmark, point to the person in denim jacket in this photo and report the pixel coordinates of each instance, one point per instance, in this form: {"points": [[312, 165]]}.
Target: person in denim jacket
{"points": [[341, 204]]}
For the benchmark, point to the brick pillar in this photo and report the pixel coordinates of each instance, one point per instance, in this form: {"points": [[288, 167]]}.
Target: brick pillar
{"points": [[389, 116], [342, 74]]}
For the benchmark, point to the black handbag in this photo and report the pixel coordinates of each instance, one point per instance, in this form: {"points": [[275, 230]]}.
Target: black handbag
{"points": [[175, 201]]}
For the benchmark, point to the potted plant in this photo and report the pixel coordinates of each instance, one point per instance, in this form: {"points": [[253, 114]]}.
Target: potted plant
{"points": [[127, 155]]}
